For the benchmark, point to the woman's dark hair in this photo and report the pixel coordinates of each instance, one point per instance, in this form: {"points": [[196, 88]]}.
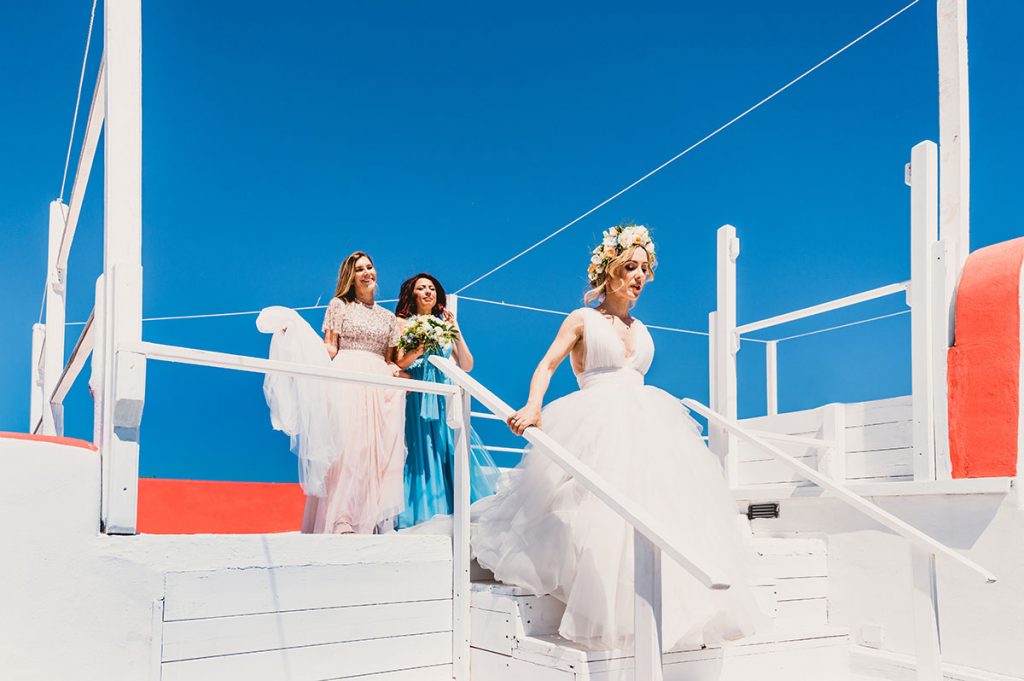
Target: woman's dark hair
{"points": [[406, 306]]}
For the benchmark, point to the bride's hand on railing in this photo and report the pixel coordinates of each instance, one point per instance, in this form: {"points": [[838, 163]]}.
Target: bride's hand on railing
{"points": [[523, 419]]}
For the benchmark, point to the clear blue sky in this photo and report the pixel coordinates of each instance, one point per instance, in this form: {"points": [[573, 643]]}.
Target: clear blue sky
{"points": [[446, 136]]}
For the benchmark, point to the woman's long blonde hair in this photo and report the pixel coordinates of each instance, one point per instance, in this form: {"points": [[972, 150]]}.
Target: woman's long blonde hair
{"points": [[599, 291], [346, 289]]}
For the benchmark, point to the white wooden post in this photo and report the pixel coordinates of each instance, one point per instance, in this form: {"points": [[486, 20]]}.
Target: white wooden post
{"points": [[954, 204], [647, 648], [35, 417], [124, 373], [461, 592], [927, 644], [923, 232], [832, 461], [726, 342], [453, 305], [954, 133], [53, 352], [771, 363]]}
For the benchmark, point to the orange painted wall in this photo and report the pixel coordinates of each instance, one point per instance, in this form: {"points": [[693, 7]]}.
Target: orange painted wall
{"points": [[984, 364], [210, 507]]}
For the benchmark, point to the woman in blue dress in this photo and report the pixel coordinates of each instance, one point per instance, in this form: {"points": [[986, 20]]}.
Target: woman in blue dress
{"points": [[431, 443]]}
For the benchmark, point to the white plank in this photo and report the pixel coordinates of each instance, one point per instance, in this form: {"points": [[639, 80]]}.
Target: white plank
{"points": [[879, 411], [804, 422], [210, 637], [771, 361], [461, 550], [836, 304], [488, 666], [493, 631], [53, 348], [889, 463], [220, 593], [923, 233], [313, 663], [36, 399], [895, 435], [808, 612], [925, 616], [779, 568], [954, 131], [801, 588], [441, 672], [539, 614], [726, 338]]}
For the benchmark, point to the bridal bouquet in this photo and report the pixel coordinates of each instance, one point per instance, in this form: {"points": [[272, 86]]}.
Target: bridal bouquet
{"points": [[430, 332]]}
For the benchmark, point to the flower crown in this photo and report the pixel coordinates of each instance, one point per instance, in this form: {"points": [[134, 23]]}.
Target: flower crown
{"points": [[616, 241]]}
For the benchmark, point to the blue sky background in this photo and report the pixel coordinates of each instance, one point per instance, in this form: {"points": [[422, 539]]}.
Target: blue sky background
{"points": [[447, 136]]}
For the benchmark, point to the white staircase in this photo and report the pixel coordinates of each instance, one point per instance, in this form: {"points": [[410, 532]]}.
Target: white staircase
{"points": [[514, 635]]}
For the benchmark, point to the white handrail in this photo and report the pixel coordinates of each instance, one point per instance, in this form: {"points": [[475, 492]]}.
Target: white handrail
{"points": [[259, 365], [836, 304], [640, 519], [915, 536]]}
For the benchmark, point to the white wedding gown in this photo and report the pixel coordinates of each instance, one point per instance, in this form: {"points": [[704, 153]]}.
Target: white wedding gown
{"points": [[544, 532]]}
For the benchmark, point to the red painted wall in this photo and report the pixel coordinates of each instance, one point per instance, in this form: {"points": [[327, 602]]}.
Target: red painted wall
{"points": [[209, 507], [984, 364]]}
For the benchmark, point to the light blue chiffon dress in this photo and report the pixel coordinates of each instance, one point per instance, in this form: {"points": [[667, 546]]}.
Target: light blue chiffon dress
{"points": [[429, 469]]}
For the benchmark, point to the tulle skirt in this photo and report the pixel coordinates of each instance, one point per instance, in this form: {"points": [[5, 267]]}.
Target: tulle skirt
{"points": [[544, 532], [363, 486]]}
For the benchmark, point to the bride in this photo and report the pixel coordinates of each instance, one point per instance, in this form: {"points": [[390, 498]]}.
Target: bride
{"points": [[546, 533]]}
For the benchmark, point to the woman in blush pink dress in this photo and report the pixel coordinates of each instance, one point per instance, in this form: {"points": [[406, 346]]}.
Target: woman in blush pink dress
{"points": [[349, 437]]}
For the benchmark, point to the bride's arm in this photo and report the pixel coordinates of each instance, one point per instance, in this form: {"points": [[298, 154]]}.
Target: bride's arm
{"points": [[568, 336]]}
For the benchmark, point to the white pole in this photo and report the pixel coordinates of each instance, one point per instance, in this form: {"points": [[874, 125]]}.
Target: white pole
{"points": [[53, 352], [36, 402], [771, 360], [923, 232], [647, 622], [954, 133], [123, 380], [453, 305], [461, 592], [726, 346]]}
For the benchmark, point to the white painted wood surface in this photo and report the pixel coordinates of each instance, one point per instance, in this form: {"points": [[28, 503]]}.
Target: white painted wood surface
{"points": [[926, 616], [653, 528], [923, 234], [53, 350], [954, 131], [238, 634], [225, 593], [941, 341], [461, 550], [858, 503], [846, 301], [123, 382], [76, 361], [771, 362], [36, 400], [726, 339], [90, 142], [368, 659], [833, 460], [647, 609]]}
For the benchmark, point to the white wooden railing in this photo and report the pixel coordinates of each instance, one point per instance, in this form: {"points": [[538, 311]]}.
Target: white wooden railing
{"points": [[923, 548], [651, 538], [928, 295]]}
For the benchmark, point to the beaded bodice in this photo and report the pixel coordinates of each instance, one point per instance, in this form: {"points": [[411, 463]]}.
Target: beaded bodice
{"points": [[362, 327]]}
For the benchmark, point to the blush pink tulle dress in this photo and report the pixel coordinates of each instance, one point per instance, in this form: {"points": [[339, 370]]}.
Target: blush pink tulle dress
{"points": [[350, 438]]}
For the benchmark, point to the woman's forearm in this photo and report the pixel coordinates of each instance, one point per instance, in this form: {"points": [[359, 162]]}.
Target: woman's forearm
{"points": [[463, 357], [539, 384]]}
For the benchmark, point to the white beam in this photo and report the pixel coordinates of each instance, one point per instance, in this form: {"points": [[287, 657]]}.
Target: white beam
{"points": [[647, 610], [124, 374], [93, 128], [53, 352], [954, 133], [76, 362], [923, 233], [771, 363], [726, 340], [461, 588], [836, 304], [36, 399]]}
